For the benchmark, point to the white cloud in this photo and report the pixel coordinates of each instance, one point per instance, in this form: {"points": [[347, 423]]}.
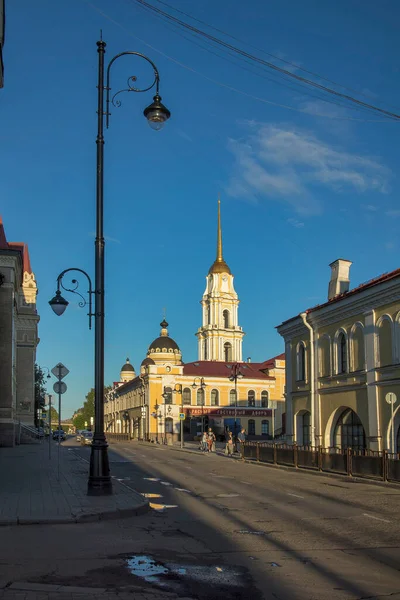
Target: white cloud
{"points": [[369, 207], [288, 163], [295, 223], [392, 213]]}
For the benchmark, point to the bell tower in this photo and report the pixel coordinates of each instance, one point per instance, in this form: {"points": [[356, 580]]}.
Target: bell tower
{"points": [[220, 337]]}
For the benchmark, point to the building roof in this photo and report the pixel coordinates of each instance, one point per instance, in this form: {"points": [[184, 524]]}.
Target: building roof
{"points": [[211, 368], [18, 246], [357, 290]]}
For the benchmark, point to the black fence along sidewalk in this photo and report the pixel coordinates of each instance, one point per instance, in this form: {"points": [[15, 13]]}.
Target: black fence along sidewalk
{"points": [[364, 463]]}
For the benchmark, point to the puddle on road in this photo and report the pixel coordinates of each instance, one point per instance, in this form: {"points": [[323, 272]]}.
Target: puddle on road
{"points": [[146, 567], [180, 577]]}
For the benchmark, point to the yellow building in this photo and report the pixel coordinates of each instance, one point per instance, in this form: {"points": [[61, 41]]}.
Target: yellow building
{"points": [[342, 361], [219, 390]]}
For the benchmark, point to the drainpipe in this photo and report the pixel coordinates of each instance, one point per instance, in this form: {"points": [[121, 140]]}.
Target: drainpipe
{"points": [[312, 377]]}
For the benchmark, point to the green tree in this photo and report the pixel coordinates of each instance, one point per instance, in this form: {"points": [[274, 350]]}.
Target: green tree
{"points": [[85, 413], [40, 392]]}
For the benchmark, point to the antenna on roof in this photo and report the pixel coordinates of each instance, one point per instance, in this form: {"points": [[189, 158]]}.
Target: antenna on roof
{"points": [[101, 35]]}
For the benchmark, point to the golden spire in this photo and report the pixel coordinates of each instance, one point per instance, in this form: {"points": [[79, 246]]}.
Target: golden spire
{"points": [[219, 234], [219, 266]]}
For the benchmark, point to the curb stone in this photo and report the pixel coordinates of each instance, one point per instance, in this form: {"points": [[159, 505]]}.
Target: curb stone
{"points": [[107, 515]]}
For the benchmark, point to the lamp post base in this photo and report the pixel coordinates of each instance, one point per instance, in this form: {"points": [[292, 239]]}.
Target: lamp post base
{"points": [[99, 483]]}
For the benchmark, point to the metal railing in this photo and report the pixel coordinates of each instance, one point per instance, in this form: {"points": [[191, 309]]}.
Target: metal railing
{"points": [[354, 463], [117, 437]]}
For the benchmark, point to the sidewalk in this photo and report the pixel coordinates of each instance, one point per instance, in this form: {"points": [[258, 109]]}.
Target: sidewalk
{"points": [[30, 492]]}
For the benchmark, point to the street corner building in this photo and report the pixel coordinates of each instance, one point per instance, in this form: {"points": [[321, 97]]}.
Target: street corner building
{"points": [[18, 340], [343, 366], [219, 390]]}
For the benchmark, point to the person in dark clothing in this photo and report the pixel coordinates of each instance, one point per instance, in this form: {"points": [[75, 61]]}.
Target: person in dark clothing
{"points": [[241, 439]]}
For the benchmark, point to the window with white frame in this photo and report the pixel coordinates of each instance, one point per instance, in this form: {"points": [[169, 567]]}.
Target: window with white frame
{"points": [[385, 341], [357, 348], [301, 362], [264, 399], [251, 398], [232, 398], [187, 396], [342, 358], [214, 398]]}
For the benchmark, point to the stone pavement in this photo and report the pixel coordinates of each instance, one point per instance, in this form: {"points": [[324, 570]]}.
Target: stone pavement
{"points": [[32, 493]]}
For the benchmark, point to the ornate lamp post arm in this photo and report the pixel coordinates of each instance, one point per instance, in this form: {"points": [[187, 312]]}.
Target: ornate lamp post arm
{"points": [[59, 304]]}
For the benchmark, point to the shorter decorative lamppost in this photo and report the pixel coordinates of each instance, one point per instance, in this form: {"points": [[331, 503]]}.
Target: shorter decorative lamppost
{"points": [[178, 390], [236, 374], [202, 385]]}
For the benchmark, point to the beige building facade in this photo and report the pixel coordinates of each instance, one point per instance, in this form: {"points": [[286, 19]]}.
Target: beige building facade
{"points": [[18, 338], [342, 361]]}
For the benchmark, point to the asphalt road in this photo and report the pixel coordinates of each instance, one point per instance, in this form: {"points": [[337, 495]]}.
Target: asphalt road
{"points": [[221, 528]]}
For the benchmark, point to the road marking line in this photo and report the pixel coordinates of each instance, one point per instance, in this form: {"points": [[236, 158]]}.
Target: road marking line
{"points": [[295, 495], [162, 506], [246, 482], [227, 495], [151, 495], [376, 518], [151, 478], [182, 490], [165, 483]]}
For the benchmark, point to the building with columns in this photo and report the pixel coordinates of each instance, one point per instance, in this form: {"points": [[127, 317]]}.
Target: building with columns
{"points": [[220, 337], [204, 393], [342, 360], [18, 338]]}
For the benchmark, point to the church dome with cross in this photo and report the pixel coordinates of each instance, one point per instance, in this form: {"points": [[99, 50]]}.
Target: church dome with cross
{"points": [[164, 348]]}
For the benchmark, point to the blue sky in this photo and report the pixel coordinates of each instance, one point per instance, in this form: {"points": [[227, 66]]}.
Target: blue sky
{"points": [[299, 187]]}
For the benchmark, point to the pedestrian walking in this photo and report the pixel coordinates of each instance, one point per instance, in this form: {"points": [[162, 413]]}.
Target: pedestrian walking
{"points": [[211, 440], [241, 440], [204, 442], [229, 445]]}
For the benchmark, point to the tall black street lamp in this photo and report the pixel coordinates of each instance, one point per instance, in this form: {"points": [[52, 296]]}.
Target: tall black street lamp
{"points": [[236, 374], [157, 114], [202, 385]]}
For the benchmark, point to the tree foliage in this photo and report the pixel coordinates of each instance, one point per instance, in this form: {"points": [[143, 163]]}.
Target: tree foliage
{"points": [[84, 414]]}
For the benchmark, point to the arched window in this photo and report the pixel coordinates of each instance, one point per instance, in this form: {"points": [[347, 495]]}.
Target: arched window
{"points": [[349, 431], [306, 429], [200, 397], [264, 399], [251, 398], [324, 344], [252, 427], [225, 316], [301, 362], [357, 348], [187, 396], [214, 398], [385, 342], [232, 398], [227, 352], [265, 427], [205, 348], [167, 395], [341, 353]]}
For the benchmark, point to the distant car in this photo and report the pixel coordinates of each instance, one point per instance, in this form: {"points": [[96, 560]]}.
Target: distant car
{"points": [[79, 435], [59, 434], [87, 438]]}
